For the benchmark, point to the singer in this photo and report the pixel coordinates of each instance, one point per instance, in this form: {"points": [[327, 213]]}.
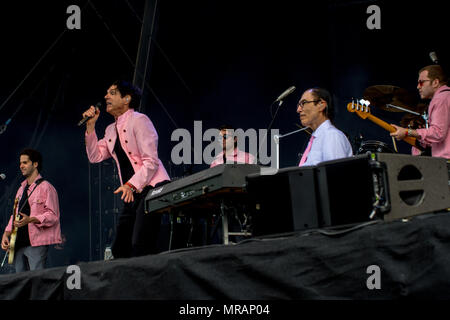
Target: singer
{"points": [[326, 142], [132, 141], [38, 207], [432, 84]]}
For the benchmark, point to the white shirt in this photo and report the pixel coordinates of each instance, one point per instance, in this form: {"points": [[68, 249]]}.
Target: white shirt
{"points": [[329, 144]]}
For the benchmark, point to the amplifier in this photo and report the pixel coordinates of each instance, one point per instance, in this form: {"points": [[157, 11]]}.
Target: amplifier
{"points": [[283, 201], [417, 184], [348, 191]]}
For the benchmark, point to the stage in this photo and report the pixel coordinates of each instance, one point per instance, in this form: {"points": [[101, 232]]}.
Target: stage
{"points": [[403, 259]]}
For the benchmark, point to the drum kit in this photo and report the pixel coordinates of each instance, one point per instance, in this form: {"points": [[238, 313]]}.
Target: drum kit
{"points": [[393, 99]]}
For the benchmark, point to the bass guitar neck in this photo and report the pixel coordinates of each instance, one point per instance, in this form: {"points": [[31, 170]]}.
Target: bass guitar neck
{"points": [[388, 127]]}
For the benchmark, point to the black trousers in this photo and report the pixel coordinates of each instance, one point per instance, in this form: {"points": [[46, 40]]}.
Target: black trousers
{"points": [[136, 232]]}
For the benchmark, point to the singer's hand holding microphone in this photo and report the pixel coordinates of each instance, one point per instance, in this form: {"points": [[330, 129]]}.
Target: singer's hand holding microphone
{"points": [[90, 116]]}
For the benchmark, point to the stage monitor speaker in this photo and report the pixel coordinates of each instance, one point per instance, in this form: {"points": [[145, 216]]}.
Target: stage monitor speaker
{"points": [[417, 184], [339, 192], [348, 189], [384, 185], [284, 201]]}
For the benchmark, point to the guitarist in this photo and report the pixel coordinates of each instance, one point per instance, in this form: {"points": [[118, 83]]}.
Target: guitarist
{"points": [[432, 84], [39, 224]]}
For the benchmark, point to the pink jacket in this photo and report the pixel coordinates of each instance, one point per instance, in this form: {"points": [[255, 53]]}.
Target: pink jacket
{"points": [[44, 206], [438, 133], [139, 141]]}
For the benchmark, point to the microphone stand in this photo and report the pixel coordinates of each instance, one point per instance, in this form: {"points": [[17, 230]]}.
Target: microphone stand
{"points": [[276, 139], [268, 129]]}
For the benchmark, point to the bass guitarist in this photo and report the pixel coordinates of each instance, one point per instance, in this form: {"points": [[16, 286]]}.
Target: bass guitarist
{"points": [[432, 84]]}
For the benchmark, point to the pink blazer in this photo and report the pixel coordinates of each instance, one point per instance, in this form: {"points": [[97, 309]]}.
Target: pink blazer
{"points": [[139, 140], [44, 206]]}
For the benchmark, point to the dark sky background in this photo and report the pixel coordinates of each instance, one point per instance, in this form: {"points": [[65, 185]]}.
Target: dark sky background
{"points": [[214, 61]]}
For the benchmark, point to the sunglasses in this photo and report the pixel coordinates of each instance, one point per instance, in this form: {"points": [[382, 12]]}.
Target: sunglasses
{"points": [[421, 82]]}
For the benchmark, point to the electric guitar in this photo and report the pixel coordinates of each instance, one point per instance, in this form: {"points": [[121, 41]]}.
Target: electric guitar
{"points": [[12, 240], [364, 113]]}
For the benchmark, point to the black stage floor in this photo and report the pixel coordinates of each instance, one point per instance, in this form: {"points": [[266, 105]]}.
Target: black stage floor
{"points": [[395, 260]]}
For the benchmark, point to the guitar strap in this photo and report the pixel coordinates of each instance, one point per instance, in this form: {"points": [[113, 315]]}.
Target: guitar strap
{"points": [[37, 182]]}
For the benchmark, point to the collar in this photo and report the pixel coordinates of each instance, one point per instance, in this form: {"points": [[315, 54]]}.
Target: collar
{"points": [[122, 119], [24, 182], [441, 88], [323, 127]]}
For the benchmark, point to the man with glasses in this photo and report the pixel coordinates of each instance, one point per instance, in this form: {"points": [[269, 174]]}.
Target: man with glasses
{"points": [[230, 152], [326, 142], [432, 84]]}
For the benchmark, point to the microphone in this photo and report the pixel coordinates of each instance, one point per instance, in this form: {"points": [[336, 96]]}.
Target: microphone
{"points": [[285, 94], [82, 121], [2, 176], [433, 57]]}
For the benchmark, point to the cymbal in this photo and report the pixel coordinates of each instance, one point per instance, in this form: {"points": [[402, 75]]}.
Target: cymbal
{"points": [[382, 95]]}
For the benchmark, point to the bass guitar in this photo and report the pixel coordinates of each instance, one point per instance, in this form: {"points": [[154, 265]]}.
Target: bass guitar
{"points": [[13, 238], [363, 111]]}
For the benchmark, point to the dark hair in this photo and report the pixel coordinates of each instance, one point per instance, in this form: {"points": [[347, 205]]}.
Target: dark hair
{"points": [[34, 155], [225, 127], [435, 71], [322, 94], [126, 88]]}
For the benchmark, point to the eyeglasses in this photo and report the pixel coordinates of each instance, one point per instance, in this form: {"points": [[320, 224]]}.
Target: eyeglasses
{"points": [[420, 82], [303, 102]]}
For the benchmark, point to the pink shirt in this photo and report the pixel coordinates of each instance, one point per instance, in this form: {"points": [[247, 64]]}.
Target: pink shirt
{"points": [[139, 141], [238, 156], [438, 133], [44, 206]]}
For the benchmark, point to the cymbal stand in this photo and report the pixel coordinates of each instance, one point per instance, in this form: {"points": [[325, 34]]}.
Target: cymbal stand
{"points": [[424, 115]]}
